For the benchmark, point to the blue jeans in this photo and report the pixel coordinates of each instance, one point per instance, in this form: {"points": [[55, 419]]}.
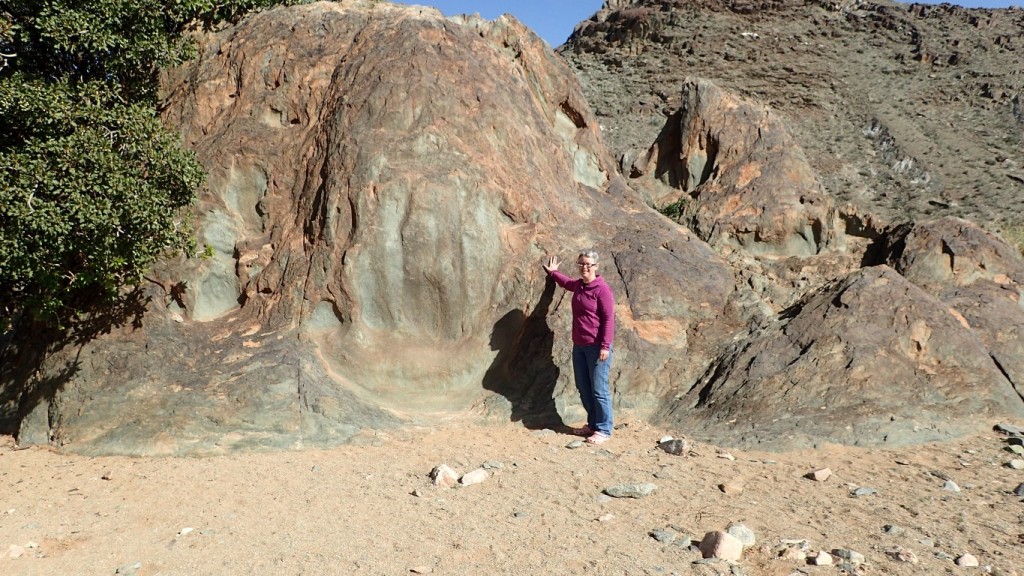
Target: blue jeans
{"points": [[592, 382]]}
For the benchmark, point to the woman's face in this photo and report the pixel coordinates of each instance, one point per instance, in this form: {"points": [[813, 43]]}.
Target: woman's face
{"points": [[587, 267]]}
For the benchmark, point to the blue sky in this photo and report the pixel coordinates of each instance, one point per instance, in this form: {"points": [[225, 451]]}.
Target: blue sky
{"points": [[553, 20]]}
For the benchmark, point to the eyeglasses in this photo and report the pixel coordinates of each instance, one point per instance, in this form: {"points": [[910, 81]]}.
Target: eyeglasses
{"points": [[586, 264]]}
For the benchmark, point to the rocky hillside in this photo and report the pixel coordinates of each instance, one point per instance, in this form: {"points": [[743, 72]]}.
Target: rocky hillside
{"points": [[905, 111]]}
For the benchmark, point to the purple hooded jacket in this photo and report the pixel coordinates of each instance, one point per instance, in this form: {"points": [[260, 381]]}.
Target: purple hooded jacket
{"points": [[593, 310]]}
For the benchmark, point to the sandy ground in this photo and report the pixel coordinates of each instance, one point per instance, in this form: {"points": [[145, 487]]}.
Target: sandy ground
{"points": [[371, 508]]}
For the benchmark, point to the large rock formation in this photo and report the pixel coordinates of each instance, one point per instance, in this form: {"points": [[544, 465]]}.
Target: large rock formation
{"points": [[384, 183]]}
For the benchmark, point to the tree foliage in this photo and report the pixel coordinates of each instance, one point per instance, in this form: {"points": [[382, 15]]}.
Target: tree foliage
{"points": [[92, 186]]}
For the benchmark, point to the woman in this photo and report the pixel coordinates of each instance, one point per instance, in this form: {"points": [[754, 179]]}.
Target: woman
{"points": [[593, 329]]}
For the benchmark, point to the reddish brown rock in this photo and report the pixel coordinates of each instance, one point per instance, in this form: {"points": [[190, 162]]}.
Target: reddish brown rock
{"points": [[384, 183], [745, 181]]}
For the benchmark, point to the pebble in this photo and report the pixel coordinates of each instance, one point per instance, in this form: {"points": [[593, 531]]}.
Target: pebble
{"points": [[901, 554], [663, 535], [444, 476], [14, 551], [851, 556], [951, 486], [893, 530], [822, 558], [722, 545], [726, 455], [575, 444], [967, 561], [421, 569], [129, 569], [542, 433], [864, 491], [492, 465], [474, 477], [742, 533], [793, 553], [520, 514], [732, 487], [630, 490], [185, 531], [1019, 490], [675, 446], [819, 475], [1016, 464], [606, 517]]}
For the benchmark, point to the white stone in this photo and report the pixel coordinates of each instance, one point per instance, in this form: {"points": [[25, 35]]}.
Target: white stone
{"points": [[474, 477], [819, 475], [967, 561], [444, 476], [822, 558], [742, 533]]}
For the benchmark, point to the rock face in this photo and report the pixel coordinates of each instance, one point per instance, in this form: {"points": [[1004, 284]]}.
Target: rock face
{"points": [[745, 181], [873, 360], [384, 183]]}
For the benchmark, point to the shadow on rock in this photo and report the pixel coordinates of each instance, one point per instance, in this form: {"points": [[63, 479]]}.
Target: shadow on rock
{"points": [[524, 371]]}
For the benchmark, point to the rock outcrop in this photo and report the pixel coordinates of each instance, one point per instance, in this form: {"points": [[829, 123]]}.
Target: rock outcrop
{"points": [[384, 183], [872, 360]]}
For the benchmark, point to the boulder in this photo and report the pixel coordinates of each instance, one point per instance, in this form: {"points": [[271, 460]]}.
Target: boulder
{"points": [[872, 360], [383, 185]]}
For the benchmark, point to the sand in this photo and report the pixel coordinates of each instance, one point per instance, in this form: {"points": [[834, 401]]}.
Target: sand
{"points": [[371, 508]]}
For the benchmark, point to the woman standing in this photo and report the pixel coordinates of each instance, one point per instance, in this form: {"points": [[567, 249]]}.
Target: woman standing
{"points": [[593, 330]]}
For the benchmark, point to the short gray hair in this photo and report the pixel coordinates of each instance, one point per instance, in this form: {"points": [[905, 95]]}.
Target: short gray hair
{"points": [[588, 253]]}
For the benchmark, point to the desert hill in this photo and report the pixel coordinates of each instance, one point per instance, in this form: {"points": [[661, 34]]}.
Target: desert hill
{"points": [[904, 110]]}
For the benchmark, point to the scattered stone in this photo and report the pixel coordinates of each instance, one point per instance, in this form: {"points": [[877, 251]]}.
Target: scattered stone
{"points": [[967, 561], [1016, 464], [742, 533], [15, 551], [793, 553], [519, 514], [864, 491], [927, 542], [732, 487], [108, 475], [819, 475], [417, 493], [675, 446], [630, 490], [901, 554], [129, 569], [851, 556], [474, 477], [950, 486], [664, 439], [663, 535], [542, 433], [726, 455], [575, 444], [444, 476], [722, 545], [893, 530], [683, 541], [1009, 429], [1019, 490], [940, 555], [1016, 449], [822, 558], [848, 568], [492, 465], [606, 517], [421, 569]]}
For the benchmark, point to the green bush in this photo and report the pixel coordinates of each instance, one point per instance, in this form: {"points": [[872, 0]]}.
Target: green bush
{"points": [[92, 187], [675, 209]]}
